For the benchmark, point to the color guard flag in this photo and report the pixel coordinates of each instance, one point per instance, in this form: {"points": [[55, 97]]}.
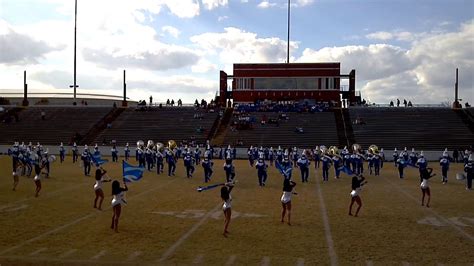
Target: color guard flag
{"points": [[132, 173], [97, 160]]}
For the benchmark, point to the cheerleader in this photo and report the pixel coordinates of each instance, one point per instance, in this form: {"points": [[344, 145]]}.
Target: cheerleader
{"points": [[288, 186], [357, 182], [38, 167], [99, 179], [227, 205], [117, 201], [425, 188]]}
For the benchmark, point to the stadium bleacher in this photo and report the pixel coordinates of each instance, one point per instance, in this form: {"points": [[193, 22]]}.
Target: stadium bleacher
{"points": [[159, 124], [60, 124], [422, 128]]}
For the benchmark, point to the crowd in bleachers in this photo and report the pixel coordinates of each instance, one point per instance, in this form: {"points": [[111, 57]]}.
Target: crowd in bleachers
{"points": [[280, 107]]}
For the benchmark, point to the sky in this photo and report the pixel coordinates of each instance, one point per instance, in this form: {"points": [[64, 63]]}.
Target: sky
{"points": [[174, 49]]}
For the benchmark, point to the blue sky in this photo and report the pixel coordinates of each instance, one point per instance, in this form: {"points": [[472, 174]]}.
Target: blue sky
{"points": [[175, 48]]}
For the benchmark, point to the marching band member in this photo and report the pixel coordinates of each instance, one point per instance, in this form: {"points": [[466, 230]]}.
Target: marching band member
{"points": [[370, 158], [197, 155], [316, 157], [96, 149], [337, 162], [229, 168], [359, 162], [149, 158], [227, 205], [228, 152], [288, 186], [140, 156], [117, 201], [75, 153], [207, 165], [401, 163], [171, 160], [99, 179], [159, 162], [260, 153], [326, 161], [469, 169], [38, 167], [286, 165], [86, 160], [425, 187], [62, 153], [465, 157], [404, 154], [127, 152], [413, 157], [346, 157], [261, 170], [377, 162], [16, 179], [382, 157], [46, 163], [303, 163], [188, 163], [250, 156], [422, 165], [444, 162], [295, 157], [271, 156], [279, 155], [395, 156], [357, 182], [114, 152]]}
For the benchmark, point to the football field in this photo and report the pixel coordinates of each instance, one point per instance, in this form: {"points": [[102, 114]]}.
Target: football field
{"points": [[167, 222]]}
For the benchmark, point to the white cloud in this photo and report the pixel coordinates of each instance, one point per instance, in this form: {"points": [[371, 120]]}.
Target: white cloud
{"points": [[171, 31], [204, 66], [423, 73], [397, 35], [238, 46], [211, 4], [183, 8], [222, 18], [266, 4]]}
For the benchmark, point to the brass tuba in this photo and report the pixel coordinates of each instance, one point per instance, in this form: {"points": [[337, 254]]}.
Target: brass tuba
{"points": [[160, 146], [172, 144], [356, 148], [374, 149]]}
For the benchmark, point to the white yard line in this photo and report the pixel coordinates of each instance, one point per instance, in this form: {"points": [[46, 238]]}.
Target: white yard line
{"points": [[68, 253], [78, 220], [99, 255], [231, 260], [327, 228], [38, 251], [265, 261], [173, 247], [134, 255], [447, 221]]}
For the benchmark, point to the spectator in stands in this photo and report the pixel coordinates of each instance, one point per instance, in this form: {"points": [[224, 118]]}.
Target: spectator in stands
{"points": [[467, 105], [172, 102], [180, 103], [85, 103], [43, 115], [151, 100], [196, 103], [168, 102], [410, 104], [405, 102], [398, 102], [115, 105], [391, 103], [299, 130]]}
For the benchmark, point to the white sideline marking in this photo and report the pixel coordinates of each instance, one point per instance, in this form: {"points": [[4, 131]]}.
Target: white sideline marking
{"points": [[404, 263], [173, 247], [57, 229], [67, 253], [327, 228], [369, 263], [198, 259], [300, 262], [38, 251], [447, 221], [134, 255], [98, 255], [231, 260], [265, 261]]}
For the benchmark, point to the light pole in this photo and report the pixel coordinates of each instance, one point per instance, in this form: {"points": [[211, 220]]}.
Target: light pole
{"points": [[288, 41], [75, 33]]}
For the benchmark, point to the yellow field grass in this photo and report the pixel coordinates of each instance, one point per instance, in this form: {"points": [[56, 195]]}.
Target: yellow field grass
{"points": [[166, 222]]}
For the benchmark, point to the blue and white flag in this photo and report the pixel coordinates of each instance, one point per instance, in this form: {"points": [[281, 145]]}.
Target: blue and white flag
{"points": [[95, 158], [346, 170], [284, 170], [132, 173]]}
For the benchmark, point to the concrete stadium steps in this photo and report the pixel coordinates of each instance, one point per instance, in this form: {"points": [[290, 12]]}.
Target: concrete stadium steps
{"points": [[420, 128], [60, 125], [177, 123], [319, 128]]}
